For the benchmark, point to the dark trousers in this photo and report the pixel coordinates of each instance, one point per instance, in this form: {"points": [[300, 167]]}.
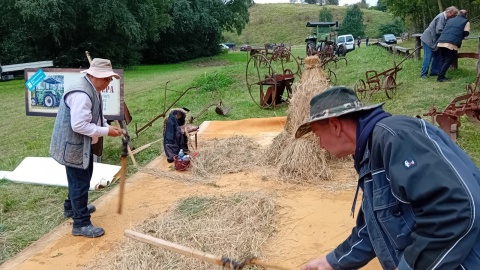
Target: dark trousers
{"points": [[78, 186], [446, 59]]}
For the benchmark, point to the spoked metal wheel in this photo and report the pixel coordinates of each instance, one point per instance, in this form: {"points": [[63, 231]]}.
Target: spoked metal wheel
{"points": [[341, 59], [260, 80], [360, 88], [390, 86], [285, 61], [331, 76]]}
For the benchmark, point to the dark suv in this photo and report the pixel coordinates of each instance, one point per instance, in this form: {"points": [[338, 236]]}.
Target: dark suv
{"points": [[389, 39]]}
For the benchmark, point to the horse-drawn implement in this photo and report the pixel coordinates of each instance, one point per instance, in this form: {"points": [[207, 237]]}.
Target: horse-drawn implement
{"points": [[378, 81], [468, 104], [270, 77]]}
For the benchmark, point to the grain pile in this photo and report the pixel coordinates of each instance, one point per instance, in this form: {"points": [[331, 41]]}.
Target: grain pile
{"points": [[234, 226], [301, 160]]}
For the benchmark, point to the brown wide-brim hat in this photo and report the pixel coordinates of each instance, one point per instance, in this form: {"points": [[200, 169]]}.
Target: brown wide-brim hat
{"points": [[101, 68], [333, 102]]}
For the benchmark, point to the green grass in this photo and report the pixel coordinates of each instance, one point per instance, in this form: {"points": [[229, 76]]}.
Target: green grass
{"points": [[286, 23], [29, 211]]}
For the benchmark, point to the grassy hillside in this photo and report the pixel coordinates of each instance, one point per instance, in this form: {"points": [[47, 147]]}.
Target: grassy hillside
{"points": [[278, 23]]}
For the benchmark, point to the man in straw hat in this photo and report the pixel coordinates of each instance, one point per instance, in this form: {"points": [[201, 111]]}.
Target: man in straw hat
{"points": [[77, 135], [421, 192]]}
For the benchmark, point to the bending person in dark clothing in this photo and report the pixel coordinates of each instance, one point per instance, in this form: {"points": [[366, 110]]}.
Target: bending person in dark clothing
{"points": [[420, 199], [174, 138], [456, 29]]}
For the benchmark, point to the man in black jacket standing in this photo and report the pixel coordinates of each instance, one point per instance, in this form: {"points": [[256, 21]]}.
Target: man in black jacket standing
{"points": [[456, 29]]}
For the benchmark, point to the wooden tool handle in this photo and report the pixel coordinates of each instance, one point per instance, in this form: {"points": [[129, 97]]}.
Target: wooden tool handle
{"points": [[177, 248], [174, 247]]}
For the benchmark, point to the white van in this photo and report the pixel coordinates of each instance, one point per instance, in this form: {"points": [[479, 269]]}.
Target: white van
{"points": [[348, 40]]}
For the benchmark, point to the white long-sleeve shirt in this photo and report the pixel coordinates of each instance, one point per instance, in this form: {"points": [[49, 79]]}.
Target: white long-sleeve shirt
{"points": [[81, 115]]}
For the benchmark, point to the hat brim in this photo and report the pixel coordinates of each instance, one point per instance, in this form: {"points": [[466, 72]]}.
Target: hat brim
{"points": [[101, 74], [305, 127]]}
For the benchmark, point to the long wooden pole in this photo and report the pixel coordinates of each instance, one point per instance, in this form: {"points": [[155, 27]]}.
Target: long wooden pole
{"points": [[210, 258]]}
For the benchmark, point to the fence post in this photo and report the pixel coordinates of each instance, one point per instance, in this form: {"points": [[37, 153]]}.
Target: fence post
{"points": [[418, 43]]}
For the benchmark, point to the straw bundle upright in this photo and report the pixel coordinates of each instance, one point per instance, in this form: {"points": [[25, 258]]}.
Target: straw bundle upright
{"points": [[301, 160]]}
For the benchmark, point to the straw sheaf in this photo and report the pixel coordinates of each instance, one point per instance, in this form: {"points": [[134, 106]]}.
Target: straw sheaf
{"points": [[301, 160]]}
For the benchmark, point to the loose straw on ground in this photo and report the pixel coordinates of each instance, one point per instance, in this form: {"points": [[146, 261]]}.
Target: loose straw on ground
{"points": [[231, 155], [235, 226]]}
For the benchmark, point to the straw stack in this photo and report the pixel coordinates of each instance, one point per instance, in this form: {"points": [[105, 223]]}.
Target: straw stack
{"points": [[301, 160]]}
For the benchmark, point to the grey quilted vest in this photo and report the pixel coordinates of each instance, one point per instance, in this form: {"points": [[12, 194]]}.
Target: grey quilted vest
{"points": [[68, 147]]}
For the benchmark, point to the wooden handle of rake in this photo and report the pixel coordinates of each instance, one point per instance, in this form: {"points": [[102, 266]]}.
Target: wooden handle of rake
{"points": [[88, 57], [210, 258]]}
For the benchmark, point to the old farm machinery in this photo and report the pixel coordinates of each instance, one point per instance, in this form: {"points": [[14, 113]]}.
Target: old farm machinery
{"points": [[322, 42], [468, 104], [270, 77], [378, 81]]}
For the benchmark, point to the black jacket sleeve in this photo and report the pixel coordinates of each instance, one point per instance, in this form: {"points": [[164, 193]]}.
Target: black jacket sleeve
{"points": [[424, 172]]}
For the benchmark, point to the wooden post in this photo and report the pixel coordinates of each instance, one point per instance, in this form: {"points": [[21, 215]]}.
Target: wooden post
{"points": [[478, 62], [418, 43]]}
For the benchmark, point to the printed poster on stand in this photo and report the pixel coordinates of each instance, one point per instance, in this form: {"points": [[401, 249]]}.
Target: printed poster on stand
{"points": [[44, 98]]}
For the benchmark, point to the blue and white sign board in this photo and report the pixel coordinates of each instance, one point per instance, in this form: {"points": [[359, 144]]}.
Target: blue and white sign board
{"points": [[45, 94], [35, 79]]}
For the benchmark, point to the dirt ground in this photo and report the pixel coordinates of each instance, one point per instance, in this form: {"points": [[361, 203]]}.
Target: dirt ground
{"points": [[311, 220]]}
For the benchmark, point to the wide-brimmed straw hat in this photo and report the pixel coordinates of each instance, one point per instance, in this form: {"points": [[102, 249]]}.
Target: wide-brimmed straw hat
{"points": [[101, 68], [333, 102]]}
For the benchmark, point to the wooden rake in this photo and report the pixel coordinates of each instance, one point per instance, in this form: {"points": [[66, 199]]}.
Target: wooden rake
{"points": [[210, 258]]}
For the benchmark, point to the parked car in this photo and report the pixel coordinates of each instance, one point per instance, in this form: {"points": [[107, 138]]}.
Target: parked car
{"points": [[348, 41], [389, 39], [245, 47], [230, 45], [223, 46]]}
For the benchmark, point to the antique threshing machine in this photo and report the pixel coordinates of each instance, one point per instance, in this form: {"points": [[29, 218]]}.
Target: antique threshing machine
{"points": [[468, 104], [322, 42], [270, 76]]}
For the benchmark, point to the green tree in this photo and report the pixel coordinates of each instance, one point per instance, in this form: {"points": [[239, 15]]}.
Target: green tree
{"points": [[197, 29], [311, 1], [331, 2], [380, 6], [352, 22], [125, 31], [64, 30], [395, 27], [325, 15], [363, 4]]}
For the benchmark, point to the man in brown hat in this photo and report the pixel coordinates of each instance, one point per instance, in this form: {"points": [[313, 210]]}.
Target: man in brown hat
{"points": [[77, 135], [421, 192]]}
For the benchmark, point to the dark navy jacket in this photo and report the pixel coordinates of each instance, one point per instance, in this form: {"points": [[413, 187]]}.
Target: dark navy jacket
{"points": [[453, 32], [420, 205]]}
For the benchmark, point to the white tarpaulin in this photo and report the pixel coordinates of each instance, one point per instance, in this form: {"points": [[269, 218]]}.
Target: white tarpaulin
{"points": [[46, 171]]}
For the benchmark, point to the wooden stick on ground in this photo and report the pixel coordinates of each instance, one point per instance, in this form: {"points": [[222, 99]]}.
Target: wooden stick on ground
{"points": [[210, 258], [143, 147]]}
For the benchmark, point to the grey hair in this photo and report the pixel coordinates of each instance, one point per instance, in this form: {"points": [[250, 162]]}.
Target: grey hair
{"points": [[452, 9]]}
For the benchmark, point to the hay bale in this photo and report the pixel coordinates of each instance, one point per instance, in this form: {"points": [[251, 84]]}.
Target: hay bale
{"points": [[301, 160], [231, 155], [235, 226]]}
